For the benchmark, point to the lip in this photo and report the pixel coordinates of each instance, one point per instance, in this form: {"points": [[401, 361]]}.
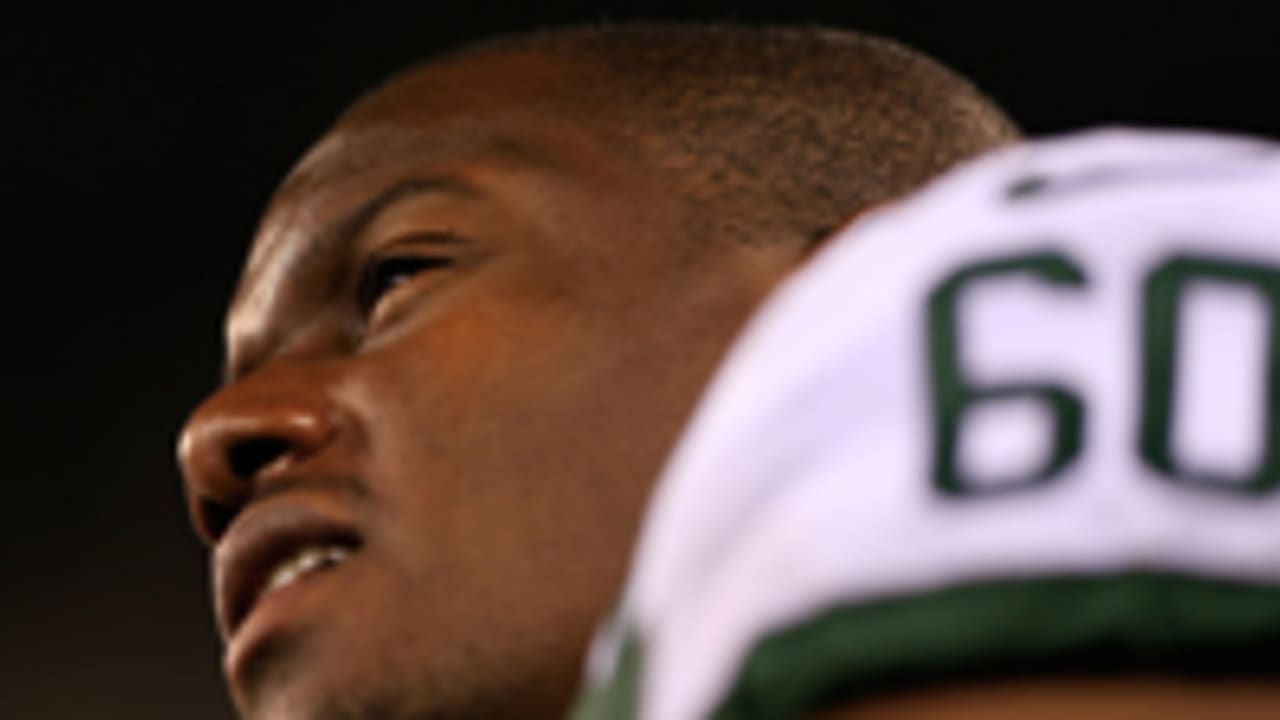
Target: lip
{"points": [[258, 541]]}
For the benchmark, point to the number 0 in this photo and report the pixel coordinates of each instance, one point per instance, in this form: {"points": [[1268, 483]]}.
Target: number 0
{"points": [[1164, 289]]}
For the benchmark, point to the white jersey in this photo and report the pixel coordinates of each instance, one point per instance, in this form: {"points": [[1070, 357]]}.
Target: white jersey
{"points": [[1030, 413]]}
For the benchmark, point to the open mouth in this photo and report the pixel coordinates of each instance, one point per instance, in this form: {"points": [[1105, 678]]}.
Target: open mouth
{"points": [[273, 548], [312, 558]]}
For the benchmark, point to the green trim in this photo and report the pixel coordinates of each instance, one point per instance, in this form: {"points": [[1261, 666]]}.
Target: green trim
{"points": [[1152, 623], [616, 698]]}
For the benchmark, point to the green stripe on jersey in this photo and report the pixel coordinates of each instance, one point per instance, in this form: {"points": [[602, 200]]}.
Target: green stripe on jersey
{"points": [[1130, 622], [615, 698]]}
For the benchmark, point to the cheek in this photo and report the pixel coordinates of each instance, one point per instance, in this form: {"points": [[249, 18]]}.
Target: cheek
{"points": [[514, 444], [520, 404], [494, 383]]}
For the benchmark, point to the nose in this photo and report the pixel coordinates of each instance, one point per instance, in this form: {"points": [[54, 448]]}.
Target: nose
{"points": [[240, 438]]}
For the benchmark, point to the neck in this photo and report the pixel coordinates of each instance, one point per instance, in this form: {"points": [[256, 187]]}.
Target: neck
{"points": [[1070, 699]]}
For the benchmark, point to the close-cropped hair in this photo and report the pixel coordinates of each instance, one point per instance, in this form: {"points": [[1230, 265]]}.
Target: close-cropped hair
{"points": [[771, 133]]}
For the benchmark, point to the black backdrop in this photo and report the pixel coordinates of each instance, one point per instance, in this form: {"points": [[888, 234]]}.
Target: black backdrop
{"points": [[140, 149]]}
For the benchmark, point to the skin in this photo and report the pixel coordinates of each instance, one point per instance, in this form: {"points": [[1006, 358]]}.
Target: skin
{"points": [[490, 426]]}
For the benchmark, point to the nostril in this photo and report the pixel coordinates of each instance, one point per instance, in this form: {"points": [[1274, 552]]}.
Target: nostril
{"points": [[247, 458]]}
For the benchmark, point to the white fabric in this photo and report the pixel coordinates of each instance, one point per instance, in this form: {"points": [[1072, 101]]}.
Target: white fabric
{"points": [[804, 477]]}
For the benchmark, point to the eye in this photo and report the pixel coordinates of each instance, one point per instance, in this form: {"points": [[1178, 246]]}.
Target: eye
{"points": [[384, 274]]}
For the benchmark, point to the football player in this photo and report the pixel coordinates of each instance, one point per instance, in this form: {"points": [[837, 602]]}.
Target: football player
{"points": [[474, 320]]}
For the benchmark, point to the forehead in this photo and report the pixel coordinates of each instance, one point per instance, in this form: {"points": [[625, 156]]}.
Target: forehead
{"points": [[501, 106], [355, 163], [500, 120], [497, 111]]}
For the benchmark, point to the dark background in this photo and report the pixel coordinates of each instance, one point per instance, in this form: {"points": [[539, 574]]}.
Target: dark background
{"points": [[141, 148]]}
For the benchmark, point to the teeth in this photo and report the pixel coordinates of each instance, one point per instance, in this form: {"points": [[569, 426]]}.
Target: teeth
{"points": [[308, 559]]}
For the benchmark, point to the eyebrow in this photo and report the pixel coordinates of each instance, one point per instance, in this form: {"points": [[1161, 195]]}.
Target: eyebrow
{"points": [[349, 227], [342, 234]]}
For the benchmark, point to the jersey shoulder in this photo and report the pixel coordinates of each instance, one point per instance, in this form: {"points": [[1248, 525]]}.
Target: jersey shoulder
{"points": [[1112, 187], [1015, 395]]}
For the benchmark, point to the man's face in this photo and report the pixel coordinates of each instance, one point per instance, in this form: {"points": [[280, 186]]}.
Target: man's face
{"points": [[464, 341]]}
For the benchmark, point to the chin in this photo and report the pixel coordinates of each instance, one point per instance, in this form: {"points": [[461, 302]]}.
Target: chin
{"points": [[303, 701], [300, 704], [295, 686], [298, 681]]}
